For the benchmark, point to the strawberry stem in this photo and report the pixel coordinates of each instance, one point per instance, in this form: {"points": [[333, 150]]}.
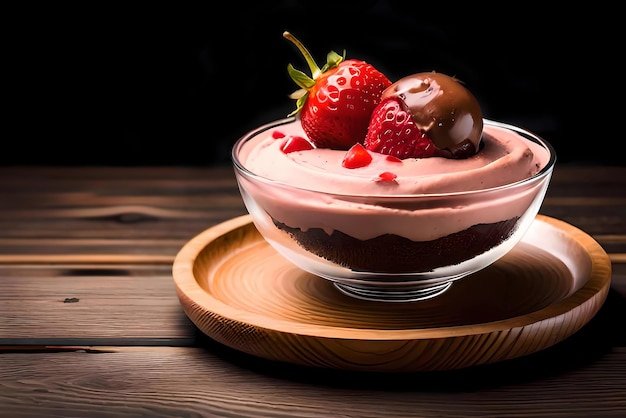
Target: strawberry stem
{"points": [[315, 70]]}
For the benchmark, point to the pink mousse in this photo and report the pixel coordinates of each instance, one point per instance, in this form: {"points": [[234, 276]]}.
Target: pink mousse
{"points": [[506, 158]]}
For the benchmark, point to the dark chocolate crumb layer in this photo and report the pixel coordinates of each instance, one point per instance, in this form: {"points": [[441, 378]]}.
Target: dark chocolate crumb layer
{"points": [[395, 254]]}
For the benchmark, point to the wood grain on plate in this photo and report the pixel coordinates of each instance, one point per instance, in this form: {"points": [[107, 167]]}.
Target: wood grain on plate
{"points": [[239, 291]]}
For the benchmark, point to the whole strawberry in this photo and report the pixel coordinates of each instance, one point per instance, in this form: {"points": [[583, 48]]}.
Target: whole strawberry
{"points": [[426, 115], [336, 102]]}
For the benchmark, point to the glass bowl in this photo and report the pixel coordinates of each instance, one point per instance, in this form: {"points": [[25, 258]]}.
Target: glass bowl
{"points": [[387, 247]]}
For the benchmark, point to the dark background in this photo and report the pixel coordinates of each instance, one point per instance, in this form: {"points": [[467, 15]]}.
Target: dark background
{"points": [[172, 85]]}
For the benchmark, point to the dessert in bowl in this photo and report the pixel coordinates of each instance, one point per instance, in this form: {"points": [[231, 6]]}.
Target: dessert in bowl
{"points": [[428, 192]]}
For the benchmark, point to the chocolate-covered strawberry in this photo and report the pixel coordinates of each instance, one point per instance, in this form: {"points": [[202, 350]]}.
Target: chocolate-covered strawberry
{"points": [[335, 103], [426, 115]]}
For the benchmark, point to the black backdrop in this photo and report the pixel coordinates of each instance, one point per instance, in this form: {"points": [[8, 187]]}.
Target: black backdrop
{"points": [[174, 85]]}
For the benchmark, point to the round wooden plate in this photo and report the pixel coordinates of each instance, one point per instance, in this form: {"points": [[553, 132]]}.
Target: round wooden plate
{"points": [[240, 292]]}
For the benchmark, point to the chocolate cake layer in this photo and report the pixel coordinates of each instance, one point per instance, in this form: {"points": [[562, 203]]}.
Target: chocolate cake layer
{"points": [[395, 254]]}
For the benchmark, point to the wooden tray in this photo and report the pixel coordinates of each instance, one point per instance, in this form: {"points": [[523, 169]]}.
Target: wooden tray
{"points": [[240, 292]]}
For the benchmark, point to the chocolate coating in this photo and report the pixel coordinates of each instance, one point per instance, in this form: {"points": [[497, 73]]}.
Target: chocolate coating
{"points": [[443, 109]]}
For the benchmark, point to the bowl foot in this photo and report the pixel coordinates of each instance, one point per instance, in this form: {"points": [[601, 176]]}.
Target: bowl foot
{"points": [[389, 295]]}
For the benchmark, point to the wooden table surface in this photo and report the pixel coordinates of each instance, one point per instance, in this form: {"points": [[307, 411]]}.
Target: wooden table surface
{"points": [[90, 323]]}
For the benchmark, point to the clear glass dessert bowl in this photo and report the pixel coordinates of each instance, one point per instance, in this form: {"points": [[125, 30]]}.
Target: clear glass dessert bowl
{"points": [[387, 246]]}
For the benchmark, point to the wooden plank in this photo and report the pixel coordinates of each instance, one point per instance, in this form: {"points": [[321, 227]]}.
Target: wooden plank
{"points": [[213, 381], [89, 305]]}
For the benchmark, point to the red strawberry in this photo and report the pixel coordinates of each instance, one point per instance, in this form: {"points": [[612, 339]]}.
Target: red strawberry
{"points": [[336, 103], [426, 115], [393, 132], [295, 143], [356, 157], [386, 177]]}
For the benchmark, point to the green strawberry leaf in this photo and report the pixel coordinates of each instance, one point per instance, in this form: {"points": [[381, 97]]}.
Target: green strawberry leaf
{"points": [[300, 78], [333, 59]]}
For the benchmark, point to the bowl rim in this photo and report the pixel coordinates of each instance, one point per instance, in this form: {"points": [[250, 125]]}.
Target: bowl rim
{"points": [[546, 170]]}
